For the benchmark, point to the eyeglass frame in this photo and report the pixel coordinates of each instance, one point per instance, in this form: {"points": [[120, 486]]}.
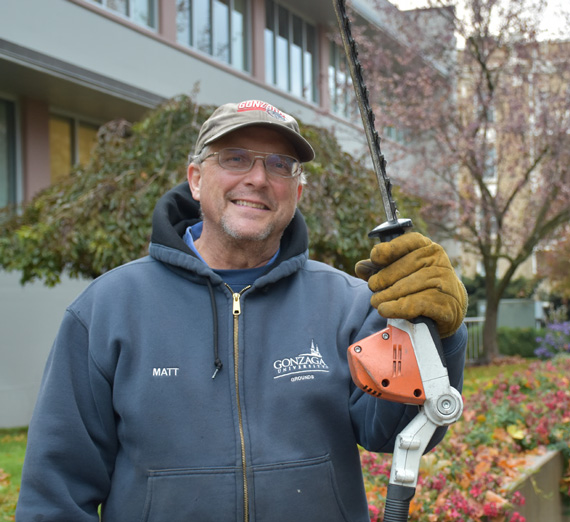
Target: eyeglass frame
{"points": [[257, 155]]}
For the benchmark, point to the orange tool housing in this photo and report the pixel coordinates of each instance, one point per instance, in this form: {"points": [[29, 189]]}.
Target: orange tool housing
{"points": [[384, 364]]}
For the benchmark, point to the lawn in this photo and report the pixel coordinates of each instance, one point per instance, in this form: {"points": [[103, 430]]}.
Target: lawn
{"points": [[478, 376], [12, 449], [13, 441]]}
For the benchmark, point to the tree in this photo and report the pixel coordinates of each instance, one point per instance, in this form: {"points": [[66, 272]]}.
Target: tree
{"points": [[556, 265], [100, 217], [488, 125]]}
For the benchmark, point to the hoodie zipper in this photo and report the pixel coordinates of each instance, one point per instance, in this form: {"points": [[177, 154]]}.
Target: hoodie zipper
{"points": [[236, 310]]}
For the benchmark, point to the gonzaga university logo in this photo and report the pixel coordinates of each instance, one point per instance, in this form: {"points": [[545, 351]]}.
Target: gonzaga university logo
{"points": [[300, 366], [256, 105]]}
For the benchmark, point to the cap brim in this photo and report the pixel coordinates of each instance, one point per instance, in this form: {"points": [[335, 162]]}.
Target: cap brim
{"points": [[303, 148]]}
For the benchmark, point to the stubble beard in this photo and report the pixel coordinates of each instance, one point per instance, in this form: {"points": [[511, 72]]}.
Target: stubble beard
{"points": [[257, 238], [260, 236]]}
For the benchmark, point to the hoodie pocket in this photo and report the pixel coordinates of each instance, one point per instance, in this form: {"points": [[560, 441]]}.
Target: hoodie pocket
{"points": [[182, 495], [298, 491]]}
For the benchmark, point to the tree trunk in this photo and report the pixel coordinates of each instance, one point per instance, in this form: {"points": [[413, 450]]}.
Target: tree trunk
{"points": [[490, 345]]}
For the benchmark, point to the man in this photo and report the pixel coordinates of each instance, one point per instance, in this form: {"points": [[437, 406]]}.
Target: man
{"points": [[209, 381]]}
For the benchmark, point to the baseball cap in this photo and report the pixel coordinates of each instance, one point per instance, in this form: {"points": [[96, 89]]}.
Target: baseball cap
{"points": [[232, 116]]}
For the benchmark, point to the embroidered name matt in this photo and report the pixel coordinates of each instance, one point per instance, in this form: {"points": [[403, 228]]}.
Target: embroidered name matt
{"points": [[165, 372]]}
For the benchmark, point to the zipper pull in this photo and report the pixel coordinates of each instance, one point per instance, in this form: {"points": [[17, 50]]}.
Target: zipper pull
{"points": [[237, 304]]}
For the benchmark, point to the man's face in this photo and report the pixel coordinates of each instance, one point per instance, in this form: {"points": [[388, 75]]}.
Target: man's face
{"points": [[251, 206]]}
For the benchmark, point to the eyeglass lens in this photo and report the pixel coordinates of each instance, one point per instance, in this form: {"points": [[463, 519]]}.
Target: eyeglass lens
{"points": [[242, 160]]}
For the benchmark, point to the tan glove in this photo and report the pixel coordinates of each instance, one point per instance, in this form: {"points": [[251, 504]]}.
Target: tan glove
{"points": [[412, 276]]}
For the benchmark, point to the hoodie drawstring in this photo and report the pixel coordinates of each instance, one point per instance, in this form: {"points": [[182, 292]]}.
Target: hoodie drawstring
{"points": [[217, 362]]}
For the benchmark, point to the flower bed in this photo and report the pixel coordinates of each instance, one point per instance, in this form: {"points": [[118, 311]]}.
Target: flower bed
{"points": [[555, 341], [467, 477]]}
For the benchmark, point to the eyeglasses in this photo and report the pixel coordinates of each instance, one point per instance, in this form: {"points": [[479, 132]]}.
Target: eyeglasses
{"points": [[242, 160]]}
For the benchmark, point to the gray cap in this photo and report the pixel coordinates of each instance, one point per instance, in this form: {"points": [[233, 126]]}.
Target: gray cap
{"points": [[253, 113]]}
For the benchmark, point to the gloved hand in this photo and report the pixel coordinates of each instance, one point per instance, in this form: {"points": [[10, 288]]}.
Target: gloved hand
{"points": [[412, 276]]}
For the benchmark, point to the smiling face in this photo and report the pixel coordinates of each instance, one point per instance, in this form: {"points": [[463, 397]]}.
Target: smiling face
{"points": [[244, 212]]}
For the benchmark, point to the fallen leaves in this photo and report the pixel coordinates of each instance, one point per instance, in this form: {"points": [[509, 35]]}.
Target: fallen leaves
{"points": [[4, 479]]}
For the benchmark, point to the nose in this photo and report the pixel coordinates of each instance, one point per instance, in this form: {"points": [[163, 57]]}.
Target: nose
{"points": [[257, 174]]}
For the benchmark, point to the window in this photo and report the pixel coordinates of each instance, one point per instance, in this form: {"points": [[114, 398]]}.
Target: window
{"points": [[395, 134], [290, 52], [215, 27], [341, 92], [70, 143], [490, 114], [490, 167], [142, 12], [7, 154], [487, 224]]}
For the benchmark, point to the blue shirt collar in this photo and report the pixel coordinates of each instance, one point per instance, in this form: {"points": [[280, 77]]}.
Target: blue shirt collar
{"points": [[236, 279]]}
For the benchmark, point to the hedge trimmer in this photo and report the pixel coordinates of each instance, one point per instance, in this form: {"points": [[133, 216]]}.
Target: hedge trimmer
{"points": [[404, 362]]}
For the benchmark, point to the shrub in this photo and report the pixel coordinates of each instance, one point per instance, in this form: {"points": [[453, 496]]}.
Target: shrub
{"points": [[555, 340], [518, 341], [100, 216]]}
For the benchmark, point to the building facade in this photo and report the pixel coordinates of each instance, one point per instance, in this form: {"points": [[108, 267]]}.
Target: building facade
{"points": [[521, 172]]}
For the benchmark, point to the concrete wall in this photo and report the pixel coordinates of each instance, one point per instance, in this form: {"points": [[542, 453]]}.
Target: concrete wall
{"points": [[29, 320], [540, 487], [517, 313]]}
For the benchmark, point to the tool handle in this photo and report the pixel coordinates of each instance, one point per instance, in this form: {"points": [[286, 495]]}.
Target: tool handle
{"points": [[434, 333], [397, 504], [391, 229]]}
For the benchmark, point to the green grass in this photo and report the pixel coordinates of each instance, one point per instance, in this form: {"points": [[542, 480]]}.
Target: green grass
{"points": [[13, 441], [12, 450]]}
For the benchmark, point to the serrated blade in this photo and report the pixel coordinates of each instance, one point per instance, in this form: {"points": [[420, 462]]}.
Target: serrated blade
{"points": [[367, 115]]}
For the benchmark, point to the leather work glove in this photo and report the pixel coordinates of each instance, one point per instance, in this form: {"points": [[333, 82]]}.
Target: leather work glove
{"points": [[412, 276]]}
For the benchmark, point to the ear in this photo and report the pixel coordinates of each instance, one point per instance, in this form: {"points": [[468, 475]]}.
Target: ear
{"points": [[194, 177], [299, 191]]}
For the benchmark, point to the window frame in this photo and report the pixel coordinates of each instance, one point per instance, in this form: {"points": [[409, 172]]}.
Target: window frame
{"points": [[75, 123], [490, 165], [309, 90], [11, 154], [129, 15], [185, 32], [348, 108]]}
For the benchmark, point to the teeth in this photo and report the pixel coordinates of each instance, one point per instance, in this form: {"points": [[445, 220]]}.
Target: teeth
{"points": [[249, 204]]}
